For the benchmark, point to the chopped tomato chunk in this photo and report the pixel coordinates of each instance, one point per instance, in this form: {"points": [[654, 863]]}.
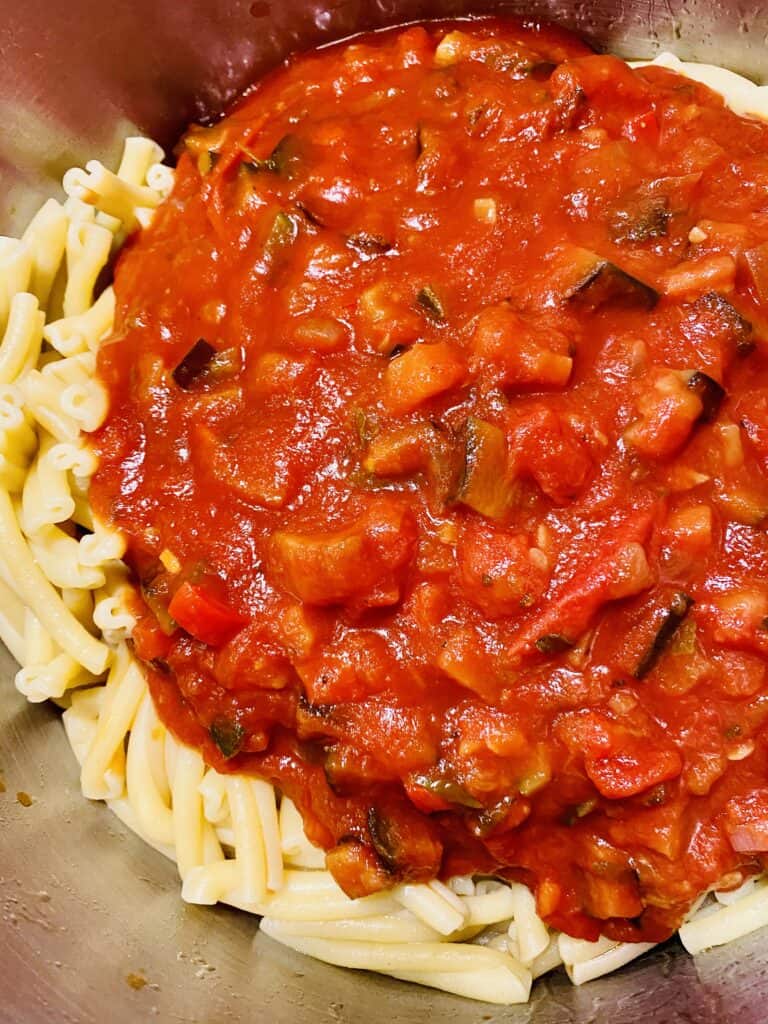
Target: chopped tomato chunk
{"points": [[203, 613]]}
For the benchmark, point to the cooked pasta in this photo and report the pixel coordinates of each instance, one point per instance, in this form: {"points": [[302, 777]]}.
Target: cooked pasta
{"points": [[65, 616]]}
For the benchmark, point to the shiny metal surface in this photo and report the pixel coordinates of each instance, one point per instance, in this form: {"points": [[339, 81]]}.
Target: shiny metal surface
{"points": [[88, 912]]}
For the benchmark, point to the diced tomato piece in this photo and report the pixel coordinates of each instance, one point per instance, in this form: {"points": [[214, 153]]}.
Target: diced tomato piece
{"points": [[619, 762], [752, 410], [746, 822], [518, 354], [612, 897], [617, 568], [544, 446], [421, 373], [204, 614], [498, 570], [149, 641], [738, 619], [642, 128], [637, 767], [696, 277]]}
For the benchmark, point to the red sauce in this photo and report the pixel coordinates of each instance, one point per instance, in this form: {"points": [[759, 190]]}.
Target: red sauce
{"points": [[458, 438]]}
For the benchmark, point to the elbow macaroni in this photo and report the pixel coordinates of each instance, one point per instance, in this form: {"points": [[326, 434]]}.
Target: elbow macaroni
{"points": [[65, 614]]}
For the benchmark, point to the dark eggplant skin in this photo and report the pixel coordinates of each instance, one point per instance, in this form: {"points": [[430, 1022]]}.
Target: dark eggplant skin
{"points": [[710, 393], [679, 607], [430, 305], [591, 281], [194, 364], [641, 217], [716, 305], [553, 643], [384, 841], [228, 736]]}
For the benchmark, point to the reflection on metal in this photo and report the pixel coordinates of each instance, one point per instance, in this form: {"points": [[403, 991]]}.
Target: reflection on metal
{"points": [[84, 906]]}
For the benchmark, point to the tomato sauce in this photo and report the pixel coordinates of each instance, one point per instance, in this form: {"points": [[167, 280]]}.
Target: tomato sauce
{"points": [[439, 434]]}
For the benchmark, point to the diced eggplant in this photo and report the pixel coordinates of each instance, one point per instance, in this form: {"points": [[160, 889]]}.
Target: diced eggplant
{"points": [[207, 161], [156, 594], [414, 448], [430, 305], [447, 789], [193, 364], [553, 643], [588, 280], [281, 236], [282, 160], [386, 841], [640, 217], [228, 735], [727, 318], [673, 618], [508, 813], [542, 70], [486, 485], [204, 364], [367, 244], [709, 392]]}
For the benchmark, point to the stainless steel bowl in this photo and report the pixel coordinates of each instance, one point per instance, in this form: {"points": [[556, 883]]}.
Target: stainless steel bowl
{"points": [[88, 911]]}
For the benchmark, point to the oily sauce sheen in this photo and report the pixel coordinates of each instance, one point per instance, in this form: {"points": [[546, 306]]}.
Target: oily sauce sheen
{"points": [[439, 434]]}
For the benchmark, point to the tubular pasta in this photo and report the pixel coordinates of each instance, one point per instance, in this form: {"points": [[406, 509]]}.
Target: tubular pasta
{"points": [[12, 622], [46, 498], [51, 680], [88, 247], [83, 331], [20, 346], [57, 554], [102, 773], [15, 269], [45, 238], [152, 806], [729, 922], [37, 593], [109, 193]]}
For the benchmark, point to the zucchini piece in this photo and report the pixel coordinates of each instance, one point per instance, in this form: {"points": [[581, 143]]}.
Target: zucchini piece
{"points": [[282, 235], [282, 160], [155, 590], [590, 281], [447, 789], [673, 618], [228, 735], [430, 305], [486, 485], [709, 392]]}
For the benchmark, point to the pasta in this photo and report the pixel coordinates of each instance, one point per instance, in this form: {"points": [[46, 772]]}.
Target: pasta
{"points": [[65, 615]]}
